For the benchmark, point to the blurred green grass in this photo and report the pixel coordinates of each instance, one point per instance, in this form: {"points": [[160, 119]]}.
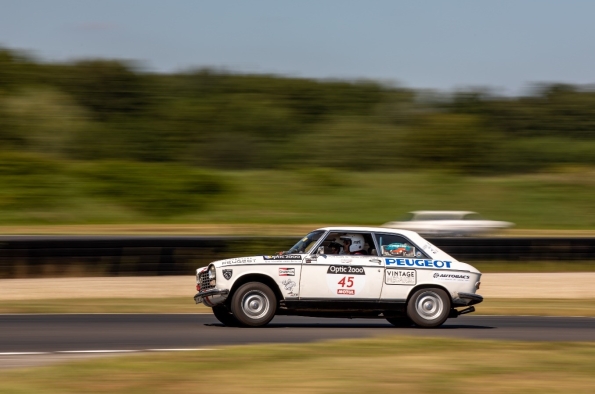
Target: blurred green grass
{"points": [[379, 365], [37, 190]]}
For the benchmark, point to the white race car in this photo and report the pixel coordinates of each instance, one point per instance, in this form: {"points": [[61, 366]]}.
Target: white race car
{"points": [[352, 272], [448, 223]]}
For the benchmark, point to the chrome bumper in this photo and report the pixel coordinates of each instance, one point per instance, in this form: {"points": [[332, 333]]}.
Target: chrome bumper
{"points": [[467, 299], [202, 295]]}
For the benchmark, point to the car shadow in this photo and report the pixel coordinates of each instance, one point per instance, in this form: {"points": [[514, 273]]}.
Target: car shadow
{"points": [[347, 326]]}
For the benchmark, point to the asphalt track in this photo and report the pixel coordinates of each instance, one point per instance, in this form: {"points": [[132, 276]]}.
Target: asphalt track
{"points": [[77, 332]]}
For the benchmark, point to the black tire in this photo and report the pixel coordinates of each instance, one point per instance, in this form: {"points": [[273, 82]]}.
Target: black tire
{"points": [[402, 321], [254, 304], [225, 316], [429, 307]]}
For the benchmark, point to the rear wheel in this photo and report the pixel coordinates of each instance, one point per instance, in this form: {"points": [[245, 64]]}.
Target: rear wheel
{"points": [[254, 304], [225, 316], [429, 307]]}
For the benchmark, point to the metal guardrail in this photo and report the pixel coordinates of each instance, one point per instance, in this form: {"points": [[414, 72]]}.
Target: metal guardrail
{"points": [[55, 256]]}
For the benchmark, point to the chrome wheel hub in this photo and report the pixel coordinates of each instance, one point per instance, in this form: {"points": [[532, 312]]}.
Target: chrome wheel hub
{"points": [[429, 305], [255, 304]]}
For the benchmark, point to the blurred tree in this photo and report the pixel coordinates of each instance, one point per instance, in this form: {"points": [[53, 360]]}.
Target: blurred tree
{"points": [[16, 69], [42, 120], [458, 142], [354, 144], [107, 88]]}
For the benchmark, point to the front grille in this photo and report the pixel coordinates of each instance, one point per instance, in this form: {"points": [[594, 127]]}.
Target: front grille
{"points": [[204, 281]]}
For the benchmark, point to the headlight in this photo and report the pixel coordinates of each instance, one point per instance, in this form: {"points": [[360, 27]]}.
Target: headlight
{"points": [[212, 272]]}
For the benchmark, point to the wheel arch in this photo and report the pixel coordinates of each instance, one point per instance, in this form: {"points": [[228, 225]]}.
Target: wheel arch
{"points": [[262, 278]]}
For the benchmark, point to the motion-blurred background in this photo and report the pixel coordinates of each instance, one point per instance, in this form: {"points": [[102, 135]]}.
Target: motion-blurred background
{"points": [[88, 136], [155, 123]]}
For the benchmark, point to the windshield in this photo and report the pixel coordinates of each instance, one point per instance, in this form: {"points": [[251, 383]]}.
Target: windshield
{"points": [[305, 244]]}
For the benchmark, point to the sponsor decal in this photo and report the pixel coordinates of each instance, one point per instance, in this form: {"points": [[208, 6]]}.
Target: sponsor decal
{"points": [[346, 280], [283, 257], [286, 271], [227, 274], [431, 248], [400, 249], [418, 263], [346, 269], [345, 261], [289, 284], [400, 277], [243, 260], [451, 277]]}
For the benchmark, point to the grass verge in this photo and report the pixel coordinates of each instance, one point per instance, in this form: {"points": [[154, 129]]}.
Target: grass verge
{"points": [[491, 306], [105, 305], [42, 192], [379, 365]]}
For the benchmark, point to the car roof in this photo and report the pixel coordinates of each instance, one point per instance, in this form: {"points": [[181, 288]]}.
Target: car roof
{"points": [[412, 235], [442, 212], [371, 229]]}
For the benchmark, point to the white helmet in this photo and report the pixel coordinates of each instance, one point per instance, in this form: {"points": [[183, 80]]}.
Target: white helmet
{"points": [[357, 241]]}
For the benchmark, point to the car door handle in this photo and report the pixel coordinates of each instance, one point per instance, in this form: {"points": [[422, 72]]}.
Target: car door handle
{"points": [[376, 261]]}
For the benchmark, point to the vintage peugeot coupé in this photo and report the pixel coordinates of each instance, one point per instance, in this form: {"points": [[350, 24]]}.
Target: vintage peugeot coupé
{"points": [[352, 272]]}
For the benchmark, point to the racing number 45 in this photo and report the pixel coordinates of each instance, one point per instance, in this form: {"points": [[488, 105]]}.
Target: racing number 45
{"points": [[346, 281]]}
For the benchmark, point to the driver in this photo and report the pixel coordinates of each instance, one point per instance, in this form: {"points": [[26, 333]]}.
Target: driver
{"points": [[335, 248], [353, 244]]}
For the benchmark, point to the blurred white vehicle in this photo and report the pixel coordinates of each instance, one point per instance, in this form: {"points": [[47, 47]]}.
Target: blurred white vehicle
{"points": [[447, 223]]}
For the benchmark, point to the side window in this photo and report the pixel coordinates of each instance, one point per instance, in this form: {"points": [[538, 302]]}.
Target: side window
{"points": [[347, 243], [392, 245]]}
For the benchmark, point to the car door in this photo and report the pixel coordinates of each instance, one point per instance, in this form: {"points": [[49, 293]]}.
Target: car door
{"points": [[335, 276], [398, 279]]}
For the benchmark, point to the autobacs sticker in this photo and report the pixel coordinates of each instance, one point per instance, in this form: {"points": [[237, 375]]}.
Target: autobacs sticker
{"points": [[451, 277]]}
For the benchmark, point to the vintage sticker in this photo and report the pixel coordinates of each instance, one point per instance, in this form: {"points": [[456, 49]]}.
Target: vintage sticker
{"points": [[227, 274], [348, 280], [286, 271], [400, 277]]}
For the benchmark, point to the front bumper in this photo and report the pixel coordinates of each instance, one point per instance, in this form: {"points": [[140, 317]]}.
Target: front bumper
{"points": [[467, 299], [211, 297]]}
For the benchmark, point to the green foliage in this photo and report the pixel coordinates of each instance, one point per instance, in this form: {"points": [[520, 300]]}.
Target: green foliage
{"points": [[106, 88], [108, 109], [42, 120], [34, 183], [30, 182], [450, 141], [155, 189]]}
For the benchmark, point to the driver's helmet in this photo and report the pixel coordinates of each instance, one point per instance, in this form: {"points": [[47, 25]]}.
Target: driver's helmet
{"points": [[356, 242]]}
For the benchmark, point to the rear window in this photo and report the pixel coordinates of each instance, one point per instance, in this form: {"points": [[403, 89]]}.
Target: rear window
{"points": [[392, 245]]}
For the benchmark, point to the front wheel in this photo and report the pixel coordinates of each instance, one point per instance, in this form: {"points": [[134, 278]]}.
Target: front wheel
{"points": [[254, 304], [429, 307], [225, 316]]}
